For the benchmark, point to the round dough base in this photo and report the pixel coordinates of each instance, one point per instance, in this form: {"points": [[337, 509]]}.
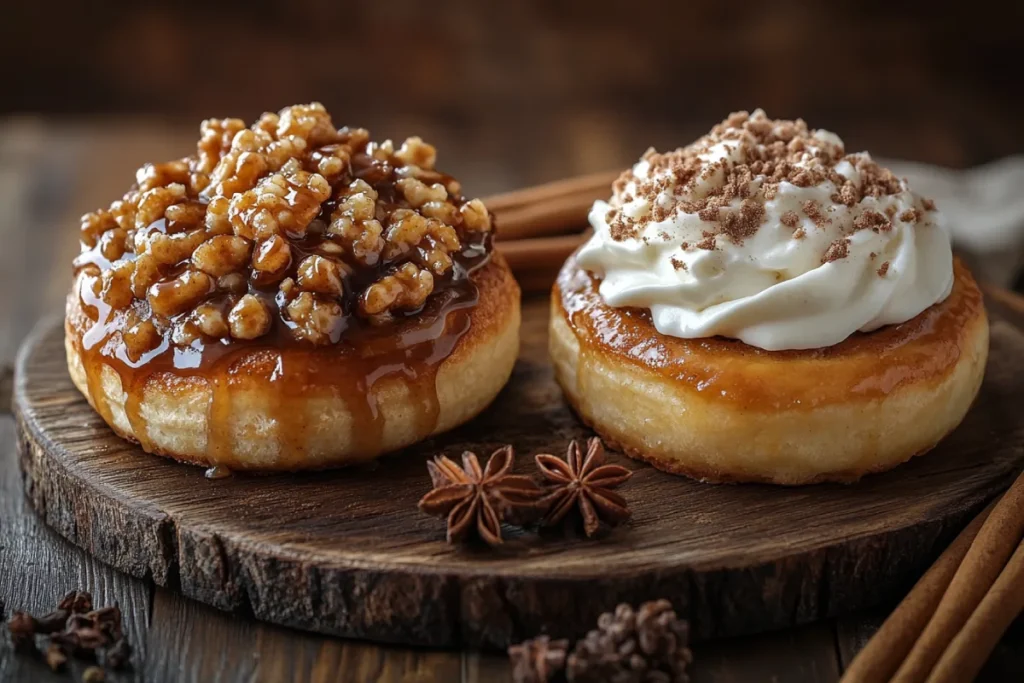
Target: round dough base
{"points": [[721, 411], [179, 420]]}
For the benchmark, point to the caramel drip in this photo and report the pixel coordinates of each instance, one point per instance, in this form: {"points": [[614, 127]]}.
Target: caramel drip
{"points": [[877, 363], [133, 411], [354, 370]]}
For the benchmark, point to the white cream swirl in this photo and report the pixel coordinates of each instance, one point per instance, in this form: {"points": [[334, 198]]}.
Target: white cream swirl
{"points": [[768, 233]]}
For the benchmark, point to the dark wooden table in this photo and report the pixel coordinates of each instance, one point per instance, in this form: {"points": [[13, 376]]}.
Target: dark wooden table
{"points": [[49, 174]]}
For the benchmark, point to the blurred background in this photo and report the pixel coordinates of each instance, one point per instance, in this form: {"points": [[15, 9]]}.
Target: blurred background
{"points": [[513, 93]]}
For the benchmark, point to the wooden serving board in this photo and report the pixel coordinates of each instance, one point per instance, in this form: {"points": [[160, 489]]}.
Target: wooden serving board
{"points": [[347, 552]]}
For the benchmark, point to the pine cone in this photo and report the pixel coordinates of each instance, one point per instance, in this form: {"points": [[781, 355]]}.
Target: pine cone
{"points": [[643, 646], [538, 660]]}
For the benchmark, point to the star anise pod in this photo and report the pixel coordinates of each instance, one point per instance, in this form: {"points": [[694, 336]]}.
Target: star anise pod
{"points": [[586, 482], [472, 497], [538, 660]]}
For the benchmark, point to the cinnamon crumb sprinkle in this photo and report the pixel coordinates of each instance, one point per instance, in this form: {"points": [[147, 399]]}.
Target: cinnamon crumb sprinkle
{"points": [[883, 269], [909, 216], [928, 204], [813, 211], [839, 249], [872, 220], [678, 263], [763, 154], [708, 243]]}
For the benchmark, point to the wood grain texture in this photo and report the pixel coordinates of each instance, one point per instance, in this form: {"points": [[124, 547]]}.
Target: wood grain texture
{"points": [[52, 171], [347, 553], [37, 568]]}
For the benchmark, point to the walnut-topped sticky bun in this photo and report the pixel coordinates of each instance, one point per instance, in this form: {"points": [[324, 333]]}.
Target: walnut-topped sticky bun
{"points": [[292, 295]]}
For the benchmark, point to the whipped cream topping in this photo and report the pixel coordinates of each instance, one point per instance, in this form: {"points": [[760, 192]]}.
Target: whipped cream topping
{"points": [[768, 232]]}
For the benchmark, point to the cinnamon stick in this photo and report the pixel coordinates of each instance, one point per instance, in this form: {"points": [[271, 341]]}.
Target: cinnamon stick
{"points": [[965, 656], [881, 657], [540, 253], [550, 209], [599, 183], [999, 536]]}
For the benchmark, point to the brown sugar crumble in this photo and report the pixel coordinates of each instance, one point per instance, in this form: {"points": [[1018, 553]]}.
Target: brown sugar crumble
{"points": [[728, 195], [813, 211], [909, 216], [874, 221], [790, 219], [290, 222], [839, 249]]}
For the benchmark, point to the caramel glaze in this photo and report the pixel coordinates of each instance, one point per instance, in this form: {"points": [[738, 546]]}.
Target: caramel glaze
{"points": [[412, 346], [864, 366]]}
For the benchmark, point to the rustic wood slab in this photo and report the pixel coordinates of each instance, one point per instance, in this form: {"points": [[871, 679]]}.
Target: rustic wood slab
{"points": [[347, 553]]}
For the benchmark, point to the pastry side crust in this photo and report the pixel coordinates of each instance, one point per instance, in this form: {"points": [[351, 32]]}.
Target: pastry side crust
{"points": [[788, 417]]}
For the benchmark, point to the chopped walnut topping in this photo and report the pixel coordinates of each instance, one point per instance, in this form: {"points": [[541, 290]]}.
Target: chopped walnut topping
{"points": [[249, 318], [141, 338], [316, 318], [790, 219], [179, 294], [319, 274], [290, 219], [210, 319], [222, 255], [405, 289], [273, 256]]}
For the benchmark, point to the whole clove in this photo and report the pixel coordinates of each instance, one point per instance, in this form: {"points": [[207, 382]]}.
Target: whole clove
{"points": [[55, 657], [76, 602], [93, 674], [23, 632], [118, 654], [77, 630]]}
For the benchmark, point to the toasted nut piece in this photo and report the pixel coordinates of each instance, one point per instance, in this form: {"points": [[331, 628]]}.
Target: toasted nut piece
{"points": [[112, 244], [406, 289], [152, 176], [169, 250], [319, 274], [442, 211], [147, 272], [233, 283], [217, 221], [153, 203], [94, 224], [249, 318], [418, 193], [475, 216], [415, 152], [316, 319], [185, 216], [222, 254], [179, 294], [141, 338], [273, 256], [117, 285], [409, 229], [363, 240], [210, 319]]}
